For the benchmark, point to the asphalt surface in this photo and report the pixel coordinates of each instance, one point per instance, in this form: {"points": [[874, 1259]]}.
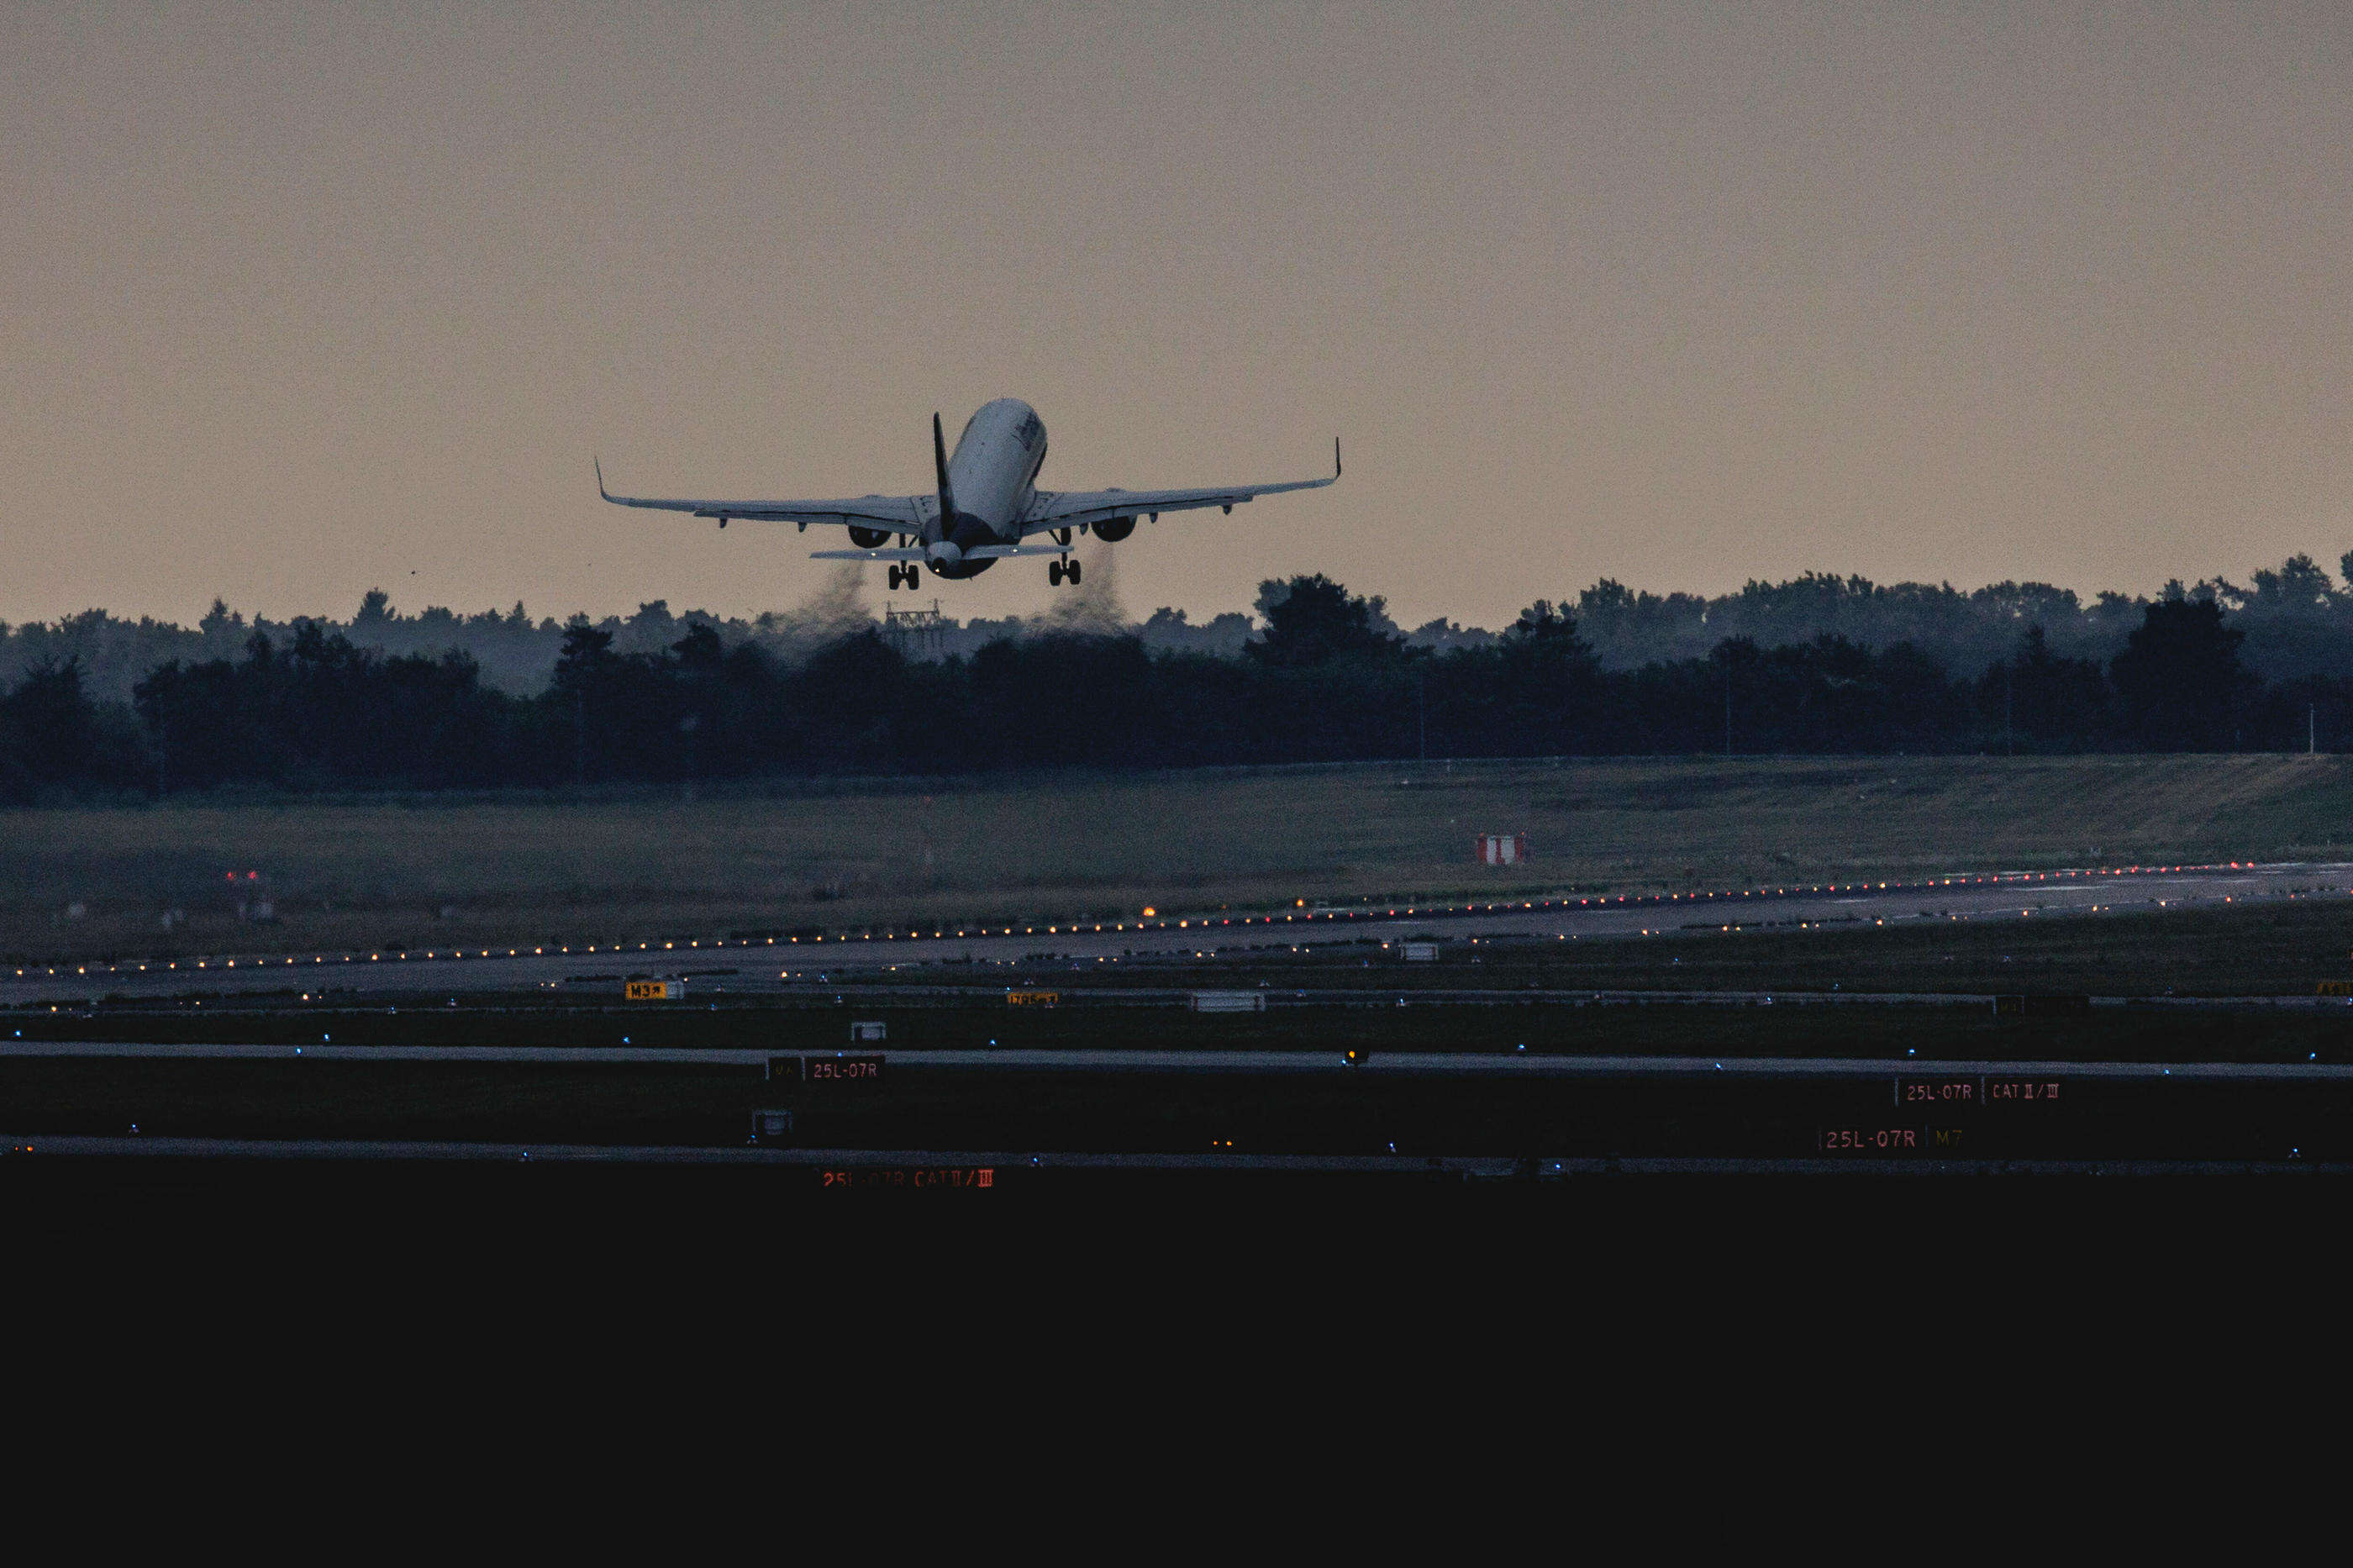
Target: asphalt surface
{"points": [[1465, 1064], [956, 1170], [783, 963]]}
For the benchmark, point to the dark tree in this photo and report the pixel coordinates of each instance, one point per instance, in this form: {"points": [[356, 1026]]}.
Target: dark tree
{"points": [[2179, 678], [1313, 620], [1547, 683], [2037, 702], [699, 650], [587, 652], [49, 732]]}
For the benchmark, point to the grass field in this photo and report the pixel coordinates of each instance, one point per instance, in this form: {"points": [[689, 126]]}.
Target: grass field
{"points": [[365, 873]]}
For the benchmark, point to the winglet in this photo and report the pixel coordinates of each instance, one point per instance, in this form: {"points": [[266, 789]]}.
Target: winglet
{"points": [[600, 477], [1335, 457]]}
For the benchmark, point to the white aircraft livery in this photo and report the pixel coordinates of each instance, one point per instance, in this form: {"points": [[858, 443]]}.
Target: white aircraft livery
{"points": [[988, 502]]}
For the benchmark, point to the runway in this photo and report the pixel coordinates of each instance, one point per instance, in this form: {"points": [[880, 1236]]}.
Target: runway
{"points": [[739, 964], [1265, 1063]]}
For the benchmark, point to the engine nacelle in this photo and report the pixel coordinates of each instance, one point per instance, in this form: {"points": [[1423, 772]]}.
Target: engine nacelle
{"points": [[1112, 529], [869, 538]]}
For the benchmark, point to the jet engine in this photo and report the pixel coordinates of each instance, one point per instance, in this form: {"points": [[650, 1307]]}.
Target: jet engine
{"points": [[1112, 529], [869, 538]]}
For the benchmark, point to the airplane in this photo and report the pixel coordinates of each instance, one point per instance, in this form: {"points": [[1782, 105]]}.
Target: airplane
{"points": [[987, 503]]}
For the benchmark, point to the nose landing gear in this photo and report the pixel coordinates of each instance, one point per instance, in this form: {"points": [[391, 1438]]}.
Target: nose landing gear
{"points": [[1060, 572], [908, 576]]}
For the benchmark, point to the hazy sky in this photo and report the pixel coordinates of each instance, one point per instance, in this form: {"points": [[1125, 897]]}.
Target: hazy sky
{"points": [[298, 302]]}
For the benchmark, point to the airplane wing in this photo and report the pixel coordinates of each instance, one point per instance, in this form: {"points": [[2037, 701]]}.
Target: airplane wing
{"points": [[904, 514], [1065, 508]]}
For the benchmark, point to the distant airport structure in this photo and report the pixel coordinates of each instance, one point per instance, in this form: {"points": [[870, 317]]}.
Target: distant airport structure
{"points": [[987, 503]]}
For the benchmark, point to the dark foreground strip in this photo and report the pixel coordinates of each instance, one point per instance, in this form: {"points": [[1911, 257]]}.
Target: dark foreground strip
{"points": [[21, 1145], [998, 1165]]}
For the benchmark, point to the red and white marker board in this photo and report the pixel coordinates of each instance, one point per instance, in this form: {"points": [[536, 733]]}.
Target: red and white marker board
{"points": [[1502, 848]]}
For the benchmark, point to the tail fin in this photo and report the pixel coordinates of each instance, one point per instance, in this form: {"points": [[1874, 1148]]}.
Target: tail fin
{"points": [[948, 496]]}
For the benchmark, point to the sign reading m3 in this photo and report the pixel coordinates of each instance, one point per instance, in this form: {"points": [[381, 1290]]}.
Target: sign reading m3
{"points": [[654, 990]]}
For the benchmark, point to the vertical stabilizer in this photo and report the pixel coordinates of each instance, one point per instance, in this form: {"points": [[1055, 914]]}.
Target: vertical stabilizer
{"points": [[948, 496]]}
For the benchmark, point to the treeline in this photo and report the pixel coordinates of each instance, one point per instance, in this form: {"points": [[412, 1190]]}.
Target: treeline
{"points": [[1326, 680], [510, 650], [517, 654], [2297, 621]]}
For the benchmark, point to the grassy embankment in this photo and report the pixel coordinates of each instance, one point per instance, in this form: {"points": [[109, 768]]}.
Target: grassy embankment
{"points": [[349, 872]]}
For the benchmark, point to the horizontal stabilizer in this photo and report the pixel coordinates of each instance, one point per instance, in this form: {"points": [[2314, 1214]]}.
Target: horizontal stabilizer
{"points": [[979, 553]]}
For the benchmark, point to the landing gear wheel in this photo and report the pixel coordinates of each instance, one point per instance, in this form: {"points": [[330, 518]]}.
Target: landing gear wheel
{"points": [[1053, 574], [1072, 572], [894, 579]]}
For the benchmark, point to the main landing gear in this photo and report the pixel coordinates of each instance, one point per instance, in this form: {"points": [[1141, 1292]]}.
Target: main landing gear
{"points": [[909, 575], [1060, 572]]}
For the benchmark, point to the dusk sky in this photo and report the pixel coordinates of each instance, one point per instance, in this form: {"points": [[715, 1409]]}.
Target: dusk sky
{"points": [[301, 302]]}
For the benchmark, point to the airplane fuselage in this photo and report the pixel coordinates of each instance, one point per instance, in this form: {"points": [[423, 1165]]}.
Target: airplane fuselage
{"points": [[992, 478]]}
